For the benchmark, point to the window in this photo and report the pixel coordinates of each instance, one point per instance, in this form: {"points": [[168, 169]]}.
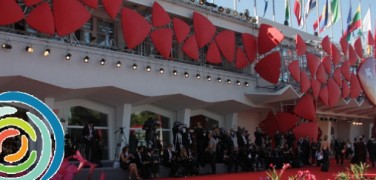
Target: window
{"points": [[97, 32]]}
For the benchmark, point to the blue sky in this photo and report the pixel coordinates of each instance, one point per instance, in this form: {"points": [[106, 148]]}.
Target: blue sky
{"points": [[280, 10]]}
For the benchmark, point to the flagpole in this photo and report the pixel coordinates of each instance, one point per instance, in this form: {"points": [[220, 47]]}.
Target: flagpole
{"points": [[340, 8], [273, 11], [318, 18], [235, 5], [254, 7], [303, 16], [331, 19], [290, 13]]}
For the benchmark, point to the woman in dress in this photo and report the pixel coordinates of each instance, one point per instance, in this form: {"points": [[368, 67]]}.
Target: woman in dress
{"points": [[126, 162]]}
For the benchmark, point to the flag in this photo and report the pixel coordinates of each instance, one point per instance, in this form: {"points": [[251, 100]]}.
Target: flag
{"points": [[287, 11], [335, 12], [298, 11], [349, 15], [324, 17], [266, 7], [309, 6], [316, 23], [366, 26], [356, 21]]}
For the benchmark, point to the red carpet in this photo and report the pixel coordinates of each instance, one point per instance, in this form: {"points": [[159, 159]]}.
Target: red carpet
{"points": [[261, 175]]}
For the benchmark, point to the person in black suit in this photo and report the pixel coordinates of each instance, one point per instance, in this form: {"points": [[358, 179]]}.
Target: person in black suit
{"points": [[90, 137], [169, 160], [138, 159]]}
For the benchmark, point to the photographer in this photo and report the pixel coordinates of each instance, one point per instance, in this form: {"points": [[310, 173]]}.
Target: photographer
{"points": [[150, 127], [178, 130], [127, 162], [186, 162], [151, 164], [169, 160]]}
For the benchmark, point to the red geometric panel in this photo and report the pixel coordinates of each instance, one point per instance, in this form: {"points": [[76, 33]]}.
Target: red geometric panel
{"points": [[10, 12], [226, 43], [366, 75], [112, 7], [268, 38], [181, 29], [336, 56], [358, 47], [42, 19], [345, 89], [321, 74], [286, 121], [305, 83], [241, 59], [310, 130], [344, 45], [334, 91], [313, 63], [204, 29], [324, 96], [159, 15], [91, 3], [301, 46], [345, 70], [337, 75], [135, 27], [269, 67], [32, 2], [190, 48], [213, 55], [250, 46], [371, 41], [294, 70], [327, 63], [69, 15], [326, 44], [268, 125], [316, 87], [355, 88], [305, 108], [352, 55], [162, 40]]}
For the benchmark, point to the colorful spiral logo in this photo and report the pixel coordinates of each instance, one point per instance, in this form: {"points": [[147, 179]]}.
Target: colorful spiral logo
{"points": [[32, 164]]}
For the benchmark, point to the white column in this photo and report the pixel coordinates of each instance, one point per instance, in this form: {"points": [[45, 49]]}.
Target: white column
{"points": [[231, 120], [50, 102], [184, 116], [122, 120]]}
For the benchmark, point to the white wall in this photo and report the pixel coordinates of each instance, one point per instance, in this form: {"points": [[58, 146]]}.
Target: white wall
{"points": [[250, 120]]}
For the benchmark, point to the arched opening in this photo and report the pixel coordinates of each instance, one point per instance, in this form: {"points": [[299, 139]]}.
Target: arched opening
{"points": [[206, 122]]}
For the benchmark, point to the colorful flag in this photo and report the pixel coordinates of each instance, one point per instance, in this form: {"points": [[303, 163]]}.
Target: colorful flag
{"points": [[298, 11], [335, 12], [309, 6], [356, 21], [324, 18], [349, 15], [266, 7], [316, 23], [366, 26], [287, 11]]}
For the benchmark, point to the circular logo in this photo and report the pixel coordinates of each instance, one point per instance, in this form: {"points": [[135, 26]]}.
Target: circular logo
{"points": [[30, 163]]}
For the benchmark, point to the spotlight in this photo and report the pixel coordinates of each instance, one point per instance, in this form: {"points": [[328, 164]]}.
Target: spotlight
{"points": [[219, 80], [228, 81], [198, 76], [86, 59], [161, 70], [102, 62], [29, 49], [246, 84], [46, 52], [118, 64], [208, 78], [241, 15], [186, 74], [238, 82], [134, 66], [175, 73], [221, 9], [148, 68], [228, 10], [235, 13], [6, 45], [68, 56], [201, 2]]}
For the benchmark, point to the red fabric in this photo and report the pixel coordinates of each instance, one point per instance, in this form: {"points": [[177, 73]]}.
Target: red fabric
{"points": [[181, 29], [345, 70], [327, 63], [301, 46], [32, 2], [321, 74], [334, 91], [313, 64], [358, 47], [316, 87], [69, 16], [42, 19], [366, 73], [268, 38], [307, 129], [213, 55], [324, 96], [305, 107], [286, 121], [325, 43], [344, 45], [345, 89], [241, 59], [294, 70], [135, 27], [337, 75], [204, 29], [10, 12], [370, 39], [355, 88], [226, 43], [162, 40], [190, 48], [269, 67], [336, 56], [91, 3], [352, 55], [297, 11], [250, 46], [112, 7], [268, 125], [159, 15], [305, 83]]}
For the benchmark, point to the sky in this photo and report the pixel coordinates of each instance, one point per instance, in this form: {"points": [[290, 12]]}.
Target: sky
{"points": [[280, 13]]}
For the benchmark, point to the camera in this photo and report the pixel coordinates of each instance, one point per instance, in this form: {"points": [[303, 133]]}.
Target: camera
{"points": [[178, 127], [150, 124]]}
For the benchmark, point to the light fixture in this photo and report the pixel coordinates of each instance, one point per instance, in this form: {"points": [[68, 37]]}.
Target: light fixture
{"points": [[68, 56], [46, 52], [134, 66], [208, 78], [102, 61], [235, 13], [86, 59], [118, 64], [221, 9], [219, 80], [148, 68], [175, 72], [238, 82], [228, 81], [186, 74], [198, 76], [228, 10], [6, 45], [246, 84], [161, 70], [29, 49], [201, 2]]}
